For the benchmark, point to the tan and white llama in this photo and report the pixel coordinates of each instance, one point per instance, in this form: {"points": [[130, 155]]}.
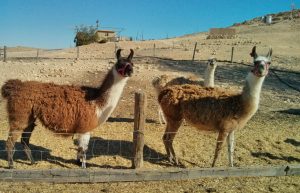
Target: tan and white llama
{"points": [[213, 109], [63, 109], [159, 83]]}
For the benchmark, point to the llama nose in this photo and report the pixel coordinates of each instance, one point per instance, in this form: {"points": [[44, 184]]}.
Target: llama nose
{"points": [[129, 70], [261, 69]]}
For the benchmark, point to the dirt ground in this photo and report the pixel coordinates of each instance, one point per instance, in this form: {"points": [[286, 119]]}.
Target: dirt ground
{"points": [[271, 137]]}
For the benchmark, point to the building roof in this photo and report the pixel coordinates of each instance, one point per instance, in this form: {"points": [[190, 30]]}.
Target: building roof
{"points": [[106, 31]]}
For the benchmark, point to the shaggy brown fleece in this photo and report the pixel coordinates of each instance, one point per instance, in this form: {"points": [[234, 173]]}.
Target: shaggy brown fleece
{"points": [[205, 108], [61, 108]]}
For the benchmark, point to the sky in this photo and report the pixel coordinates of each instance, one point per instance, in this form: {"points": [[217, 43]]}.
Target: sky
{"points": [[51, 23]]}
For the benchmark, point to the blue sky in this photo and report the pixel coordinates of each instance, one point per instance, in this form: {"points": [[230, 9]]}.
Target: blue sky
{"points": [[51, 23]]}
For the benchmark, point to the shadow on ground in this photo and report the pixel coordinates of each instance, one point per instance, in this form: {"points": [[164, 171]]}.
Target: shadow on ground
{"points": [[266, 155], [97, 147], [290, 111], [292, 142]]}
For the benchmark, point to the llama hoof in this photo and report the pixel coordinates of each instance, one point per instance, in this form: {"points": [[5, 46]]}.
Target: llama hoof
{"points": [[83, 165], [176, 163], [173, 161], [11, 167], [78, 162]]}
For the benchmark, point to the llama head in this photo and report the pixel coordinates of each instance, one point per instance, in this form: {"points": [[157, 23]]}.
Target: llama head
{"points": [[160, 82], [261, 63], [124, 65], [212, 63]]}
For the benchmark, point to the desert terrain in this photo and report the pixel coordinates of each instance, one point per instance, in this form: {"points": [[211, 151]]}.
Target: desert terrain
{"points": [[271, 137]]}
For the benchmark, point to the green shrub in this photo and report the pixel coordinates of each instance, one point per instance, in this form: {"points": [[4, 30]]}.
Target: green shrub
{"points": [[85, 35]]}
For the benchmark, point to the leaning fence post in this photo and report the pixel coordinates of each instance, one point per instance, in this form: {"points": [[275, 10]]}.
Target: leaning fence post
{"points": [[232, 50], [194, 52], [138, 134], [4, 53]]}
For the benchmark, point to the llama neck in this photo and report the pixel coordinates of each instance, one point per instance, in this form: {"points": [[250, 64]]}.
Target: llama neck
{"points": [[110, 93], [209, 77], [251, 92]]}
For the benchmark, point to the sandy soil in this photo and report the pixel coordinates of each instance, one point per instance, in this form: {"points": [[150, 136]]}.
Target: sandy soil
{"points": [[270, 138]]}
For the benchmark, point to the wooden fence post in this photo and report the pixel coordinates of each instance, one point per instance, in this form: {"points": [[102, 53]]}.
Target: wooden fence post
{"points": [[154, 48], [232, 50], [77, 52], [194, 52], [4, 54], [138, 134]]}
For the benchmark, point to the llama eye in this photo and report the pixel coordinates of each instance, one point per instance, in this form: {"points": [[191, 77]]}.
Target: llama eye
{"points": [[256, 63]]}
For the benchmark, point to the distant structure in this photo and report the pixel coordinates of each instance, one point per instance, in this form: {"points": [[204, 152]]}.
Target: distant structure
{"points": [[124, 38], [222, 33], [268, 19], [103, 36]]}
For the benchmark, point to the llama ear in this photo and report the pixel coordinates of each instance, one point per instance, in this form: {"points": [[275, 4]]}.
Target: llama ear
{"points": [[269, 53], [118, 54], [253, 53], [130, 55]]}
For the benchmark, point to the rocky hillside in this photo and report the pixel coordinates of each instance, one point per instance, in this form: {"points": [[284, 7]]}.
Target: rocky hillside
{"points": [[276, 17]]}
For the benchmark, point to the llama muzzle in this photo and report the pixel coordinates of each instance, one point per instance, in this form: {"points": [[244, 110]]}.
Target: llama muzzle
{"points": [[126, 71]]}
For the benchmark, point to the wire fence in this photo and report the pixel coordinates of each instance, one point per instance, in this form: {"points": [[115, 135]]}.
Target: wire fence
{"points": [[184, 51], [110, 148]]}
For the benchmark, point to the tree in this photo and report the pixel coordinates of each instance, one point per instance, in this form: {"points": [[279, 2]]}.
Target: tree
{"points": [[85, 35]]}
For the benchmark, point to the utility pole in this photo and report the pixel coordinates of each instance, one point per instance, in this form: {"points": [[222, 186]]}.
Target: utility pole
{"points": [[97, 24]]}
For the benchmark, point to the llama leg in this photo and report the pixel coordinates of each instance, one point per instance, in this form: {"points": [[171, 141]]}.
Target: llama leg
{"points": [[25, 141], [10, 145], [230, 143], [161, 117], [170, 133], [221, 138], [83, 144]]}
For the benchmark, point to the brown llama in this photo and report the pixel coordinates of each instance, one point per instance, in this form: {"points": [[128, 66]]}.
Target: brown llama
{"points": [[63, 109], [159, 83], [213, 109]]}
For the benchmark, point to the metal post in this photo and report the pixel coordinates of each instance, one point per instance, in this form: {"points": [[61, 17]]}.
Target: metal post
{"points": [[37, 54], [4, 54], [194, 52], [232, 50]]}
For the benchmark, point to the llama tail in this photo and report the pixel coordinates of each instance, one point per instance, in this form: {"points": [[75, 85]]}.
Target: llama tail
{"points": [[9, 86]]}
